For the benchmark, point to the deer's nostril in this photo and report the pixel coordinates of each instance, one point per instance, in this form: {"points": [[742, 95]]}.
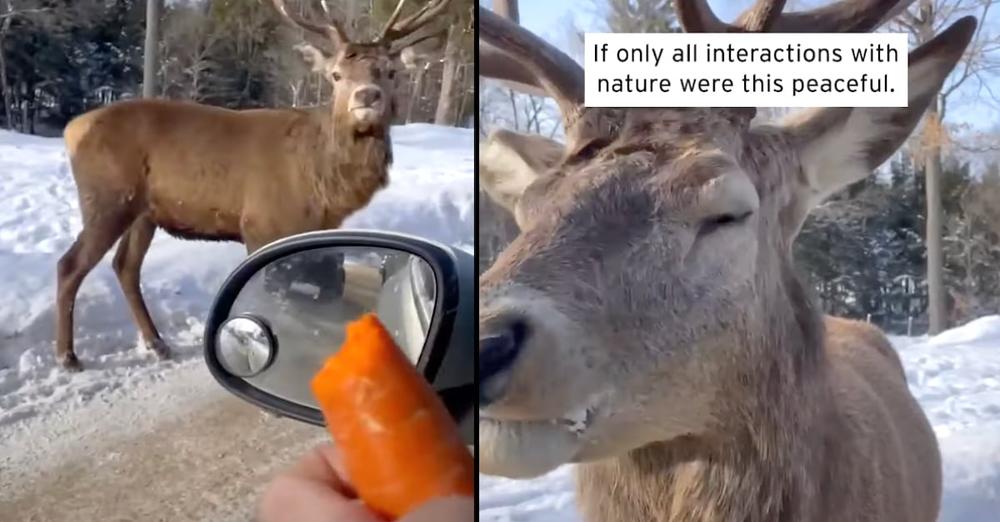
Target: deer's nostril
{"points": [[497, 353], [368, 96]]}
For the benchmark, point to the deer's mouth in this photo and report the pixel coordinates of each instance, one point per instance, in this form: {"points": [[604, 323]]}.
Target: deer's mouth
{"points": [[529, 448], [576, 422], [524, 449], [366, 115]]}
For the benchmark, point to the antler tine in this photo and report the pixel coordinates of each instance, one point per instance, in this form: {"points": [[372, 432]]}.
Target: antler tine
{"points": [[493, 63], [844, 16], [333, 31], [560, 76], [392, 20], [696, 16], [411, 23], [762, 16]]}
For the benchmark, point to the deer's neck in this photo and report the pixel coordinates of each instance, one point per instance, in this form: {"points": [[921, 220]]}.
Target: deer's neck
{"points": [[759, 464], [354, 166]]}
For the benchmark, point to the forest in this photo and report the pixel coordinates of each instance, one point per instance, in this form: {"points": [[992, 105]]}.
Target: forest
{"points": [[59, 58]]}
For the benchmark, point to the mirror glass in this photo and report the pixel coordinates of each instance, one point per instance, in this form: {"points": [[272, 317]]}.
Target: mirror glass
{"points": [[245, 346], [291, 315]]}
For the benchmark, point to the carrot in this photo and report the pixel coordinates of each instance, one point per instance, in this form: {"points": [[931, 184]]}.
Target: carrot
{"points": [[400, 445]]}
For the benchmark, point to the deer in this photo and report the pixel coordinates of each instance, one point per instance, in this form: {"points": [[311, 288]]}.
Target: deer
{"points": [[647, 325], [251, 176]]}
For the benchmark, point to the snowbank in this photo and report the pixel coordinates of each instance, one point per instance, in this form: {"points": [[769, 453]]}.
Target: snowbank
{"points": [[954, 375], [430, 195]]}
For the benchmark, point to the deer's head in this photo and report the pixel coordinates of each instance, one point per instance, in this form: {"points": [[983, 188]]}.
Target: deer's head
{"points": [[362, 73], [650, 295]]}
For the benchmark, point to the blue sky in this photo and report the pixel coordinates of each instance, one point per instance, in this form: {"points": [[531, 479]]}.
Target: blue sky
{"points": [[549, 19]]}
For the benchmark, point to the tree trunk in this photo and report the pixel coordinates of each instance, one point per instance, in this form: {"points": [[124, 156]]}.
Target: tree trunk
{"points": [[418, 86], [8, 121], [4, 85], [935, 220], [446, 101], [507, 9], [151, 59], [24, 108]]}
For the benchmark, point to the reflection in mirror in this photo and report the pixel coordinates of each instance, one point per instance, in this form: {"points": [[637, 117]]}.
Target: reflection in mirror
{"points": [[245, 346], [306, 299]]}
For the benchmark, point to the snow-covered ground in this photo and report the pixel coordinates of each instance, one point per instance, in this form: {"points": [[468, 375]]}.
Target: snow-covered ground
{"points": [[955, 376], [46, 414], [430, 195]]}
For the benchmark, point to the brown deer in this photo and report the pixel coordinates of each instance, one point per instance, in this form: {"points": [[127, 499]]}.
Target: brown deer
{"points": [[253, 176], [647, 322]]}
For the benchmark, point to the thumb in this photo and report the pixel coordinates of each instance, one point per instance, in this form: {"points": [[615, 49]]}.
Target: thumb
{"points": [[444, 509]]}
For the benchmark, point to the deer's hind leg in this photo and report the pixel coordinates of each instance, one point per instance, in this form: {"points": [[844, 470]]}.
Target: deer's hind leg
{"points": [[128, 265], [101, 228]]}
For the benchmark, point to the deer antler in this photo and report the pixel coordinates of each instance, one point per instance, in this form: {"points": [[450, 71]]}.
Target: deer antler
{"points": [[332, 31], [395, 30], [845, 16], [553, 70], [392, 20], [495, 64]]}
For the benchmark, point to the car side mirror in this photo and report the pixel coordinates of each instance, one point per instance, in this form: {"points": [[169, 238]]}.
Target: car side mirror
{"points": [[283, 311]]}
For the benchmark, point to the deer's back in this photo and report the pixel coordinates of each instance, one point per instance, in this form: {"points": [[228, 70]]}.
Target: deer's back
{"points": [[173, 133], [192, 165], [892, 448]]}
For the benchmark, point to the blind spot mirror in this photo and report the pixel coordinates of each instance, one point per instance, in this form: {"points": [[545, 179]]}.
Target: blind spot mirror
{"points": [[245, 346], [285, 309]]}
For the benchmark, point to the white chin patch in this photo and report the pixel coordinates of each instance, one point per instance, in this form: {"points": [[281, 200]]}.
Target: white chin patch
{"points": [[365, 115], [524, 449]]}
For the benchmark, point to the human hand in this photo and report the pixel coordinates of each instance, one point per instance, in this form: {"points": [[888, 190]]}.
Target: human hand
{"points": [[316, 489]]}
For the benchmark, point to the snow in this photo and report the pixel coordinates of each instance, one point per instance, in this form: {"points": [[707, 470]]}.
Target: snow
{"points": [[955, 376], [430, 195]]}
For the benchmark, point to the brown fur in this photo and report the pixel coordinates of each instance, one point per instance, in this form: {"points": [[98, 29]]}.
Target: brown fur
{"points": [[210, 173], [656, 293], [802, 422]]}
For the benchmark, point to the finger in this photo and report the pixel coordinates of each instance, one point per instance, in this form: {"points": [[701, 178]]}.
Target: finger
{"points": [[445, 509], [335, 458], [292, 499], [320, 465]]}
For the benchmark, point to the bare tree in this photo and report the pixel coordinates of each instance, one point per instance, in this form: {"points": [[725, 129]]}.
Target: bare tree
{"points": [[188, 69], [979, 62], [8, 13], [445, 114], [151, 60], [418, 59]]}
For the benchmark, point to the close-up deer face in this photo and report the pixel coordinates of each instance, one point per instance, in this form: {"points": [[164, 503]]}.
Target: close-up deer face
{"points": [[362, 76], [634, 271], [654, 254], [362, 73]]}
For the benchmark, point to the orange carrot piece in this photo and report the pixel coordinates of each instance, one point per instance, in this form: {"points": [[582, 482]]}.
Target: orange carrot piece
{"points": [[400, 445]]}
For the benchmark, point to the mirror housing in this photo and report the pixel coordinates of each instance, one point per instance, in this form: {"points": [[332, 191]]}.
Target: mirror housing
{"points": [[446, 358]]}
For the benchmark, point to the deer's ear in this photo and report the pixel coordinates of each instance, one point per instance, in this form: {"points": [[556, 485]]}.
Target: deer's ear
{"points": [[839, 146], [510, 161], [313, 56]]}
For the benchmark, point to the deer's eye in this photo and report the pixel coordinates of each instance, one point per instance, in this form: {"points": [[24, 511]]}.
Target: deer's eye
{"points": [[391, 73], [714, 223], [336, 76]]}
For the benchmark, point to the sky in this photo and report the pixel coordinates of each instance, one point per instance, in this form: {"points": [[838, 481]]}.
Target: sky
{"points": [[550, 19]]}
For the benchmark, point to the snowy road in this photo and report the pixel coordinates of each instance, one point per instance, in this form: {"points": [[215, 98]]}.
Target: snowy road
{"points": [[133, 438], [178, 448]]}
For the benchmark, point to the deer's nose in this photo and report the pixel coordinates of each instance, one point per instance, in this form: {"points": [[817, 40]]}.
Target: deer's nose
{"points": [[497, 352], [367, 96]]}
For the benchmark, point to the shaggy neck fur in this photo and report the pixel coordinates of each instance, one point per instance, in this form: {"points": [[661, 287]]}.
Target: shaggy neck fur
{"points": [[355, 165], [771, 440]]}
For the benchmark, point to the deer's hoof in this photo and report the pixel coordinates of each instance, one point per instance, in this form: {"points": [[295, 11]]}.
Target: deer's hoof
{"points": [[160, 348], [70, 363]]}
